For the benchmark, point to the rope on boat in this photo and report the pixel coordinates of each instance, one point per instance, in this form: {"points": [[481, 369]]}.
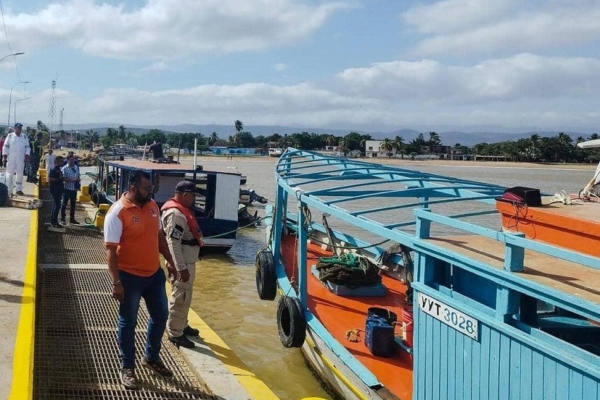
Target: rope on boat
{"points": [[349, 270], [237, 229]]}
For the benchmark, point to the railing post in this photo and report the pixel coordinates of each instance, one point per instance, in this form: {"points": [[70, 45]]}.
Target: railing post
{"points": [[514, 255], [423, 226], [302, 258], [507, 303], [278, 225]]}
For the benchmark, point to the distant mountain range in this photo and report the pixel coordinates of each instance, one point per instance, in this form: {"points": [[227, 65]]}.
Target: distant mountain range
{"points": [[224, 131]]}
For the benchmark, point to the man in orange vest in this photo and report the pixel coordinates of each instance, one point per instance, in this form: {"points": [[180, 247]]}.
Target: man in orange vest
{"points": [[134, 239], [184, 238]]}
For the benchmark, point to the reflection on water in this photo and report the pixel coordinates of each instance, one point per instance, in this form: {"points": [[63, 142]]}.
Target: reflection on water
{"points": [[225, 286]]}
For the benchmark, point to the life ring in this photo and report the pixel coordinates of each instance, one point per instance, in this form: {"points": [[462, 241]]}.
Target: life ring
{"points": [[291, 323], [266, 279], [3, 194]]}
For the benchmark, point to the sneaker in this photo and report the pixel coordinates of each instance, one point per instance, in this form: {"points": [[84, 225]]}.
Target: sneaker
{"points": [[182, 341], [157, 366], [63, 222], [56, 228], [189, 331], [20, 192], [128, 378], [73, 222]]}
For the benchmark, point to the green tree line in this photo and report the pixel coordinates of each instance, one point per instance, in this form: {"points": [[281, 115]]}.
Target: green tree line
{"points": [[536, 148]]}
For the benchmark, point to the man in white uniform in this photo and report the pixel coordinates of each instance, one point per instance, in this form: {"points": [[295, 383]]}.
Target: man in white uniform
{"points": [[15, 154]]}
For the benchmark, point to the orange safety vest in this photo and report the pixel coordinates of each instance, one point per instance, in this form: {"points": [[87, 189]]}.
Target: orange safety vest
{"points": [[189, 216]]}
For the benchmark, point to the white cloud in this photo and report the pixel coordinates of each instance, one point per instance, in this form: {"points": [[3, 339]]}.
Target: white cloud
{"points": [[523, 76], [461, 27], [521, 91], [280, 67], [164, 29]]}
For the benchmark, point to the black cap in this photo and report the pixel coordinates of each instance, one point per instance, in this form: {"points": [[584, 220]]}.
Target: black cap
{"points": [[18, 124], [185, 187]]}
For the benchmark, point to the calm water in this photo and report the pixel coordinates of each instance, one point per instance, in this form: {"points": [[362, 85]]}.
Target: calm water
{"points": [[226, 296]]}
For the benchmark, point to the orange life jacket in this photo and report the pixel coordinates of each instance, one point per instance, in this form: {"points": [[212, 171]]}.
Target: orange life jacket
{"points": [[189, 216]]}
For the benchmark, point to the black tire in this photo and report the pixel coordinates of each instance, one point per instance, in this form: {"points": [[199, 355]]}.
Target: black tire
{"points": [[291, 323], [92, 188], [266, 278], [3, 194], [96, 198]]}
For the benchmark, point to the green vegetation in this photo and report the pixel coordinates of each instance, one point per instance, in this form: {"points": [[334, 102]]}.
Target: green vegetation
{"points": [[559, 148]]}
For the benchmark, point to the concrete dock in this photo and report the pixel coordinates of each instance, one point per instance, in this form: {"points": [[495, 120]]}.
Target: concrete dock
{"points": [[58, 337]]}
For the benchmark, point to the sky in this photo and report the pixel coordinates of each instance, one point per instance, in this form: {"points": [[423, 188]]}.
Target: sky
{"points": [[368, 65]]}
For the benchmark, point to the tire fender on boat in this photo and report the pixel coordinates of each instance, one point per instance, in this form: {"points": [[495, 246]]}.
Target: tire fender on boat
{"points": [[92, 188], [291, 323], [266, 279], [99, 198]]}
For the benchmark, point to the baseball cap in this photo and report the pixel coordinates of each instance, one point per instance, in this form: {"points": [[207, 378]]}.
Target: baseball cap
{"points": [[185, 187], [18, 124]]}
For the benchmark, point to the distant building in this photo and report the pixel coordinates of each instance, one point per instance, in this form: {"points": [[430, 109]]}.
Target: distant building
{"points": [[373, 149], [435, 149]]}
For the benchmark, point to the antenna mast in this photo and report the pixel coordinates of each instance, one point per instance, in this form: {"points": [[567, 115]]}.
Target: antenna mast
{"points": [[52, 109]]}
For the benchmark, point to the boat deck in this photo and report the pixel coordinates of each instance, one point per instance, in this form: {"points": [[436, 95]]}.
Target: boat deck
{"points": [[588, 210], [564, 276], [340, 314]]}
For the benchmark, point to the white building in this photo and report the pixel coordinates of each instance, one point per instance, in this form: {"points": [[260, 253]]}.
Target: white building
{"points": [[373, 149]]}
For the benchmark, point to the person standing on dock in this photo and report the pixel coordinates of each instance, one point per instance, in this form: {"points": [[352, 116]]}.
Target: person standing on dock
{"points": [[134, 238], [72, 180], [36, 155], [184, 238], [15, 154], [55, 177], [49, 161]]}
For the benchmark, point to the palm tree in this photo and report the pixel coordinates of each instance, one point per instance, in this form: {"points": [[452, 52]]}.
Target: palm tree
{"points": [[399, 144], [239, 125], [213, 138], [387, 145], [121, 135], [330, 140]]}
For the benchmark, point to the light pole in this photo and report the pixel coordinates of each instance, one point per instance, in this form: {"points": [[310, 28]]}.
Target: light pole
{"points": [[15, 112], [9, 55], [10, 99]]}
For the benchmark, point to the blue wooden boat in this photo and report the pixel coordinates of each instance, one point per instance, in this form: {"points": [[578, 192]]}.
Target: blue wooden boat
{"points": [[463, 309], [216, 208]]}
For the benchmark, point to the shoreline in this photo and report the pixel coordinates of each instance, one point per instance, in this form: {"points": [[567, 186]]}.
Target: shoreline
{"points": [[403, 162], [489, 164]]}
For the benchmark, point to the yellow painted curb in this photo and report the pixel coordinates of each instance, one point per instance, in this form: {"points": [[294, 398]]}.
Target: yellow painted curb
{"points": [[22, 373], [253, 385]]}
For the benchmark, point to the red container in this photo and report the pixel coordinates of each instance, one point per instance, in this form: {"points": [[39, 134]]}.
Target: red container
{"points": [[407, 325]]}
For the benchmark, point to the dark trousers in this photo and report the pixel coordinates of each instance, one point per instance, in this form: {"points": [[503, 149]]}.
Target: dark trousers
{"points": [[56, 200], [152, 290], [34, 165], [68, 196]]}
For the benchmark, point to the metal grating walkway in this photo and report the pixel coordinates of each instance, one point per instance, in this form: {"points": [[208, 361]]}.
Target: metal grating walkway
{"points": [[76, 349]]}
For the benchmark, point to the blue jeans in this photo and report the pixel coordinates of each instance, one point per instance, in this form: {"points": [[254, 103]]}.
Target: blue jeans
{"points": [[69, 196], [56, 198], [152, 290]]}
